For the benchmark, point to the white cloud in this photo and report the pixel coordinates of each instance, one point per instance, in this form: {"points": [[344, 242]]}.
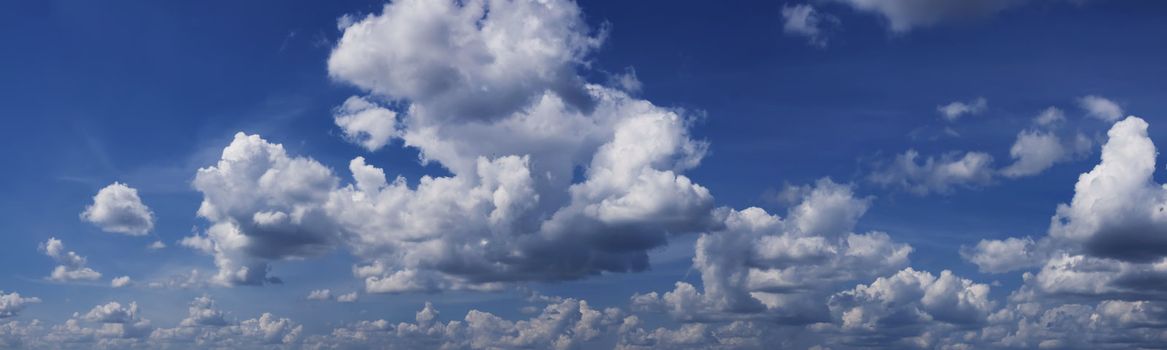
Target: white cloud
{"points": [[119, 282], [1050, 116], [909, 303], [466, 60], [803, 20], [347, 297], [263, 205], [320, 294], [1035, 151], [157, 245], [11, 304], [365, 123], [627, 81], [1101, 108], [1118, 210], [492, 95], [71, 266], [567, 324], [935, 174], [112, 312], [1102, 265], [764, 266], [953, 111], [999, 256], [117, 208], [904, 15]]}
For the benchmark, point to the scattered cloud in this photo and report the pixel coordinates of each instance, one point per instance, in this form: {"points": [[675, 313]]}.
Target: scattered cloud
{"points": [[954, 110], [320, 294], [935, 174], [764, 267], [903, 16], [119, 282], [365, 123], [1101, 108], [11, 304], [117, 208], [71, 266], [805, 21]]}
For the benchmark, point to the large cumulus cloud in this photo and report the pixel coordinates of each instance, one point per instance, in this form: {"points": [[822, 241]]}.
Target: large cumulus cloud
{"points": [[551, 177]]}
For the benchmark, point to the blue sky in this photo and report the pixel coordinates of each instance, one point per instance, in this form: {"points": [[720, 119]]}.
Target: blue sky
{"points": [[582, 156]]}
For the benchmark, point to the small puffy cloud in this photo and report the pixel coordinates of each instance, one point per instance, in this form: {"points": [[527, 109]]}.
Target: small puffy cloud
{"points": [[365, 123], [1050, 116], [202, 312], [157, 245], [320, 294], [999, 256], [71, 266], [904, 15], [1101, 108], [347, 297], [953, 111], [804, 20], [11, 304], [112, 312], [935, 174], [120, 282], [117, 208], [627, 81], [1035, 151]]}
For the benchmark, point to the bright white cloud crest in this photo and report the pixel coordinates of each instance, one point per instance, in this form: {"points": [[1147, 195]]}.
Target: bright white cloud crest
{"points": [[117, 208]]}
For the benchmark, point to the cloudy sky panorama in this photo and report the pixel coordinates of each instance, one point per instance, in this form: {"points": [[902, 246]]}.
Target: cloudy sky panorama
{"points": [[559, 174]]}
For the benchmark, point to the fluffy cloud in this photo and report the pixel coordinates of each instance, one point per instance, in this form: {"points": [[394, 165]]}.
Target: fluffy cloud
{"points": [[935, 174], [365, 123], [112, 312], [552, 178], [117, 208], [263, 205], [320, 294], [12, 303], [953, 111], [467, 60], [904, 15], [908, 302], [803, 20], [207, 327], [998, 256], [347, 297], [1101, 108], [1035, 151], [1050, 116], [119, 282], [566, 324], [1118, 211], [762, 266], [71, 266], [1100, 270]]}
